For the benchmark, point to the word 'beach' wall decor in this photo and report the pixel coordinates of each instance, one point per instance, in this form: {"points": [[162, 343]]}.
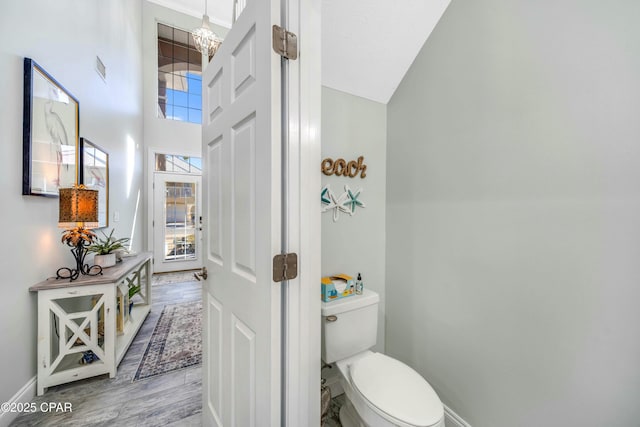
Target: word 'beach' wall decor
{"points": [[341, 167]]}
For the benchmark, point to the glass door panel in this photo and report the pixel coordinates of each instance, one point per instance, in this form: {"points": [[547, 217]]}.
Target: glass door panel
{"points": [[176, 220], [180, 221]]}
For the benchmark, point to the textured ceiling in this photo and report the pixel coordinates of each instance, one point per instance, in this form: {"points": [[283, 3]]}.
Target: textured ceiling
{"points": [[367, 45]]}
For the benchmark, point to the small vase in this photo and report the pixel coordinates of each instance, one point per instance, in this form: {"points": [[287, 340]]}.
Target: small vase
{"points": [[108, 260]]}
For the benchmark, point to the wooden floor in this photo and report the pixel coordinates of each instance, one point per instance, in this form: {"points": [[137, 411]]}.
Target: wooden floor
{"points": [[173, 399]]}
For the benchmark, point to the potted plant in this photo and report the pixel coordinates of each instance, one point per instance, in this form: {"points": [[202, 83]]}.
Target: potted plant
{"points": [[133, 290], [104, 249]]}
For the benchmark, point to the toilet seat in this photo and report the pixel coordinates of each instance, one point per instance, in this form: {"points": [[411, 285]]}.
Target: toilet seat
{"points": [[395, 391]]}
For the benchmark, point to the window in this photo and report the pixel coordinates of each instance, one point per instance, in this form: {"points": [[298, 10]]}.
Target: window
{"points": [[179, 76], [178, 164]]}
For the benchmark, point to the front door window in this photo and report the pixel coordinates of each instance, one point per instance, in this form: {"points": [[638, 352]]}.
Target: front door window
{"points": [[180, 221]]}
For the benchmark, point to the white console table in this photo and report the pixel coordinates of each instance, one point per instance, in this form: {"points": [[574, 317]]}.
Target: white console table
{"points": [[84, 326]]}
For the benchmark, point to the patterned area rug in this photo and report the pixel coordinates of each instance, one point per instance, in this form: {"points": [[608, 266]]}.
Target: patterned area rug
{"points": [[176, 342], [178, 277]]}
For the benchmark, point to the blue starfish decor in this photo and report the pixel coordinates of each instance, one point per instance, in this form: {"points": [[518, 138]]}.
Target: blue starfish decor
{"points": [[325, 195], [352, 202]]}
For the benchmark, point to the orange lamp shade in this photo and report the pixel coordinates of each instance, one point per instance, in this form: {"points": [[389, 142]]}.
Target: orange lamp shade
{"points": [[78, 208]]}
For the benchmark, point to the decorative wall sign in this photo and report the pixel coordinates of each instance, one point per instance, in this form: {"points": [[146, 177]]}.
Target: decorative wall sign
{"points": [[50, 134], [341, 167], [346, 203], [94, 174]]}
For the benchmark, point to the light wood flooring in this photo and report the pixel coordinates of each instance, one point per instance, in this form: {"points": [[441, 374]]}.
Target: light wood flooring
{"points": [[172, 399]]}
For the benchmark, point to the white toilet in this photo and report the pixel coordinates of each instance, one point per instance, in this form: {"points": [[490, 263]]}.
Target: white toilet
{"points": [[380, 390]]}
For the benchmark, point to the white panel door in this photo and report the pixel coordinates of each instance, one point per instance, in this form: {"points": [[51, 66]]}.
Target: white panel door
{"points": [[242, 213]]}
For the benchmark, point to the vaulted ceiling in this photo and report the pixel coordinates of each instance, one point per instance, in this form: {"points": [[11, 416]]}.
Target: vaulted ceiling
{"points": [[367, 45]]}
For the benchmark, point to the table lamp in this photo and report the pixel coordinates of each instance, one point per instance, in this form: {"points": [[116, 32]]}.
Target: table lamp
{"points": [[78, 209]]}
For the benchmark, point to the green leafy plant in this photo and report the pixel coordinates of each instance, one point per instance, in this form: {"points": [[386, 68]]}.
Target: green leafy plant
{"points": [[108, 244], [134, 289]]}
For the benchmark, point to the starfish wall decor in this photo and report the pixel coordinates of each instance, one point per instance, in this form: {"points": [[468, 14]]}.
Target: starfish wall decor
{"points": [[352, 202], [346, 203]]}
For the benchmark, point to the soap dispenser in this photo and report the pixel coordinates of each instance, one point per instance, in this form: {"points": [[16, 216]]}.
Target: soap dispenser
{"points": [[359, 285]]}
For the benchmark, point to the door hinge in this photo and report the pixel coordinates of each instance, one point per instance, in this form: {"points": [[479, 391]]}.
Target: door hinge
{"points": [[285, 267], [285, 43]]}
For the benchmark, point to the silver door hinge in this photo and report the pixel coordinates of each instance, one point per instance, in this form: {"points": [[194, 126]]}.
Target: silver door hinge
{"points": [[285, 43], [285, 267]]}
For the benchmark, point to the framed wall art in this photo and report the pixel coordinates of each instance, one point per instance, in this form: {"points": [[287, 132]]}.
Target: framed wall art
{"points": [[94, 174], [51, 124]]}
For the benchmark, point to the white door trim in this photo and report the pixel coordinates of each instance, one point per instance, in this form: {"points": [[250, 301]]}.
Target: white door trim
{"points": [[302, 330]]}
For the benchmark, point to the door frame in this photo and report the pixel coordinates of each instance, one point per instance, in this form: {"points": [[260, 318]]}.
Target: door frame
{"points": [[151, 168], [301, 332]]}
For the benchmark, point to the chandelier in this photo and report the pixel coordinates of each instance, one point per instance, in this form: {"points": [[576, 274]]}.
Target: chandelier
{"points": [[206, 41]]}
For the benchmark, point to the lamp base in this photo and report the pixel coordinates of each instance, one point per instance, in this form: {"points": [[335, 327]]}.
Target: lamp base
{"points": [[79, 252], [73, 274]]}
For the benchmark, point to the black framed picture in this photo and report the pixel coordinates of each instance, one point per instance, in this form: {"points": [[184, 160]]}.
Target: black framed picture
{"points": [[94, 174], [51, 125]]}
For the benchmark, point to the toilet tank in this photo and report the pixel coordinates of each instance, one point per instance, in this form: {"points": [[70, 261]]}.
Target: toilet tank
{"points": [[349, 325]]}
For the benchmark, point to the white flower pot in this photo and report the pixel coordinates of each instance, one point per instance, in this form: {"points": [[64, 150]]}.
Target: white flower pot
{"points": [[108, 260], [119, 253]]}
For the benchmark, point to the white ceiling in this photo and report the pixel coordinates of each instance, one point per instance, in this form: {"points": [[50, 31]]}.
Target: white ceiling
{"points": [[367, 45], [220, 12]]}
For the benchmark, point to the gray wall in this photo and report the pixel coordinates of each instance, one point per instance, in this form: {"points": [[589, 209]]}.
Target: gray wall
{"points": [[64, 37], [353, 127], [513, 216]]}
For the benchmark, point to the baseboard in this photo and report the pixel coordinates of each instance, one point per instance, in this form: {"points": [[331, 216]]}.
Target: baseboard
{"points": [[24, 395], [451, 419]]}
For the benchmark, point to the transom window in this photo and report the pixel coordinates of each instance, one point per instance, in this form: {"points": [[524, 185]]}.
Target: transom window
{"points": [[178, 164], [179, 76]]}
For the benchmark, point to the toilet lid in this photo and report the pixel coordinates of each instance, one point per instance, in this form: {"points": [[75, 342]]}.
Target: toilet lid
{"points": [[396, 390]]}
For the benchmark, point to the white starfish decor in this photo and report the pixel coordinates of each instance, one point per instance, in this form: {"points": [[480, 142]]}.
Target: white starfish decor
{"points": [[332, 203], [346, 203]]}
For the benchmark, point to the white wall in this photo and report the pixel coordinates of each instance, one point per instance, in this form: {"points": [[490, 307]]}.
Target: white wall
{"points": [[64, 37], [353, 127], [513, 220], [162, 135]]}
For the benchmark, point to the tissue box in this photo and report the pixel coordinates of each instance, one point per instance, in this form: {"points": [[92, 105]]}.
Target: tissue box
{"points": [[336, 287]]}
